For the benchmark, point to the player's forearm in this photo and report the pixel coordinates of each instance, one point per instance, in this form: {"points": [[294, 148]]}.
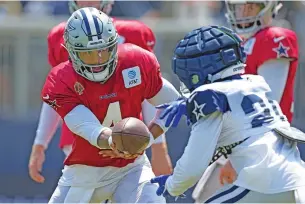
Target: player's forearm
{"points": [[149, 112], [82, 122], [196, 156], [47, 125]]}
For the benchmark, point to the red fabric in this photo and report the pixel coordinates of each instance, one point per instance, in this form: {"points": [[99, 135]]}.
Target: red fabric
{"points": [[274, 43], [64, 93], [130, 31]]}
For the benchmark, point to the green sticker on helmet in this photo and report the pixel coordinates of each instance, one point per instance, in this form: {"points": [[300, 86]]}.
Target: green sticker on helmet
{"points": [[195, 79]]}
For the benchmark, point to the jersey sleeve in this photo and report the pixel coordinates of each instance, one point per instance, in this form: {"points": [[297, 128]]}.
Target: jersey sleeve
{"points": [[277, 44], [202, 103], [153, 78], [57, 94]]}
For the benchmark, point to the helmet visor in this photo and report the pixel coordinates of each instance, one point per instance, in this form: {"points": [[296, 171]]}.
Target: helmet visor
{"points": [[94, 57]]}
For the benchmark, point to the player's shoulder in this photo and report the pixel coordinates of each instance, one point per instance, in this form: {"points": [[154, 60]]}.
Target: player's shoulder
{"points": [[206, 100], [276, 34], [57, 30]]}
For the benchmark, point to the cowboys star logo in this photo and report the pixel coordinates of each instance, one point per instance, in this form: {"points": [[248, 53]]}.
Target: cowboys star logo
{"points": [[50, 102], [281, 50], [79, 88]]}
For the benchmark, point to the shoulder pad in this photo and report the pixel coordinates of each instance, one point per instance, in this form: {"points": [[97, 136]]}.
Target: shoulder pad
{"points": [[206, 102]]}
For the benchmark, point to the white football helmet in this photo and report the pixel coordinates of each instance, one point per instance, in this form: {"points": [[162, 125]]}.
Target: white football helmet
{"points": [[91, 41], [248, 17]]}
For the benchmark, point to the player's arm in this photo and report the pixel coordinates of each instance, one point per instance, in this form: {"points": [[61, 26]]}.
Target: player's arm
{"points": [[197, 154], [47, 126], [157, 91], [161, 162], [78, 118], [167, 94], [205, 109], [275, 72], [273, 62]]}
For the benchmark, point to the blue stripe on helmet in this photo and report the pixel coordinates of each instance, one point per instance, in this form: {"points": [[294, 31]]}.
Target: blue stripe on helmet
{"points": [[86, 24], [97, 27]]}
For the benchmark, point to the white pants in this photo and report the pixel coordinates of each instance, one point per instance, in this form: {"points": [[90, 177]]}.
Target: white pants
{"points": [[209, 182], [235, 194], [86, 184]]}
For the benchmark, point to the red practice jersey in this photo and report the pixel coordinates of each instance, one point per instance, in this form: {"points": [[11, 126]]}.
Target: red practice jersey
{"points": [[130, 31], [137, 77], [274, 43]]}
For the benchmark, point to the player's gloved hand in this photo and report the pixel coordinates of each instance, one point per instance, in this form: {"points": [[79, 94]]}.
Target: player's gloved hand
{"points": [[37, 159], [161, 180], [173, 111]]}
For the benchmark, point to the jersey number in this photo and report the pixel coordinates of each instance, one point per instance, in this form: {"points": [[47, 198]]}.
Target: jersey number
{"points": [[113, 114], [269, 109]]}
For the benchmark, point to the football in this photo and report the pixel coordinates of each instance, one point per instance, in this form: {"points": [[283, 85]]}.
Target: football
{"points": [[130, 135]]}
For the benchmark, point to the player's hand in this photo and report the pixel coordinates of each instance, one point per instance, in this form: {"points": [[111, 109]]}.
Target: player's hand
{"points": [[36, 162], [160, 160], [173, 111], [161, 180], [115, 153], [227, 174]]}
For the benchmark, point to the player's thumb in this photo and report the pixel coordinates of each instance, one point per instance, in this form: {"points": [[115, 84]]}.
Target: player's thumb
{"points": [[160, 190]]}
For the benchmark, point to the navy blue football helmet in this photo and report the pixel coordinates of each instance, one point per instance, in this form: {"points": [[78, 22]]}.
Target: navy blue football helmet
{"points": [[208, 54]]}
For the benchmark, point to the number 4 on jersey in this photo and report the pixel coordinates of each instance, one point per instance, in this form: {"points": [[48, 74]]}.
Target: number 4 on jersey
{"points": [[113, 114]]}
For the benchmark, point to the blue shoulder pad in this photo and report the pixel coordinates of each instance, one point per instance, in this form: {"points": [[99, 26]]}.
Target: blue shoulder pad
{"points": [[203, 103]]}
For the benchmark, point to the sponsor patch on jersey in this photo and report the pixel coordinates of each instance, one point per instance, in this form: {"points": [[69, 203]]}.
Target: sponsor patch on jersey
{"points": [[248, 46], [132, 77]]}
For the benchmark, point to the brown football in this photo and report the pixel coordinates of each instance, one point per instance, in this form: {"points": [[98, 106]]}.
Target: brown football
{"points": [[130, 135]]}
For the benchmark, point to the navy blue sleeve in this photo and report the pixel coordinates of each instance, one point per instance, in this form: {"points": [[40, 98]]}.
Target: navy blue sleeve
{"points": [[203, 103]]}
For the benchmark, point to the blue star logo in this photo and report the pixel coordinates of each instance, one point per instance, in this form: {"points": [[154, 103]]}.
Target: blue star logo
{"points": [[198, 110], [281, 50]]}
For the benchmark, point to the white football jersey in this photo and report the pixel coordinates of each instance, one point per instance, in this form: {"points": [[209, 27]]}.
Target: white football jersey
{"points": [[227, 112]]}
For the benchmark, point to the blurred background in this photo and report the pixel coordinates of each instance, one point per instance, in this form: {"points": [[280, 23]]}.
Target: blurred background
{"points": [[24, 27]]}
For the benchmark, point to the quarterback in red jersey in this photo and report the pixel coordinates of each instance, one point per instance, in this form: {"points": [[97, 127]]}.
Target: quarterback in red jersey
{"points": [[272, 52], [99, 85], [130, 31]]}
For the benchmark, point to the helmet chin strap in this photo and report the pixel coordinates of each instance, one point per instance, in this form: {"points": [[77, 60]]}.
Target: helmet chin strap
{"points": [[230, 71]]}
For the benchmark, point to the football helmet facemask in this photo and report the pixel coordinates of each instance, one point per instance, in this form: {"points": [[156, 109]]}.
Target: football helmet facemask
{"points": [[248, 17]]}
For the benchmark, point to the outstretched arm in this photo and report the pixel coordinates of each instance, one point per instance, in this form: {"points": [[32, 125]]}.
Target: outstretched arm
{"points": [[197, 154], [161, 162]]}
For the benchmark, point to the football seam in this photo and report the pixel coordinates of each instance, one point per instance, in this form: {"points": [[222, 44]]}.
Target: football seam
{"points": [[121, 133], [122, 141]]}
